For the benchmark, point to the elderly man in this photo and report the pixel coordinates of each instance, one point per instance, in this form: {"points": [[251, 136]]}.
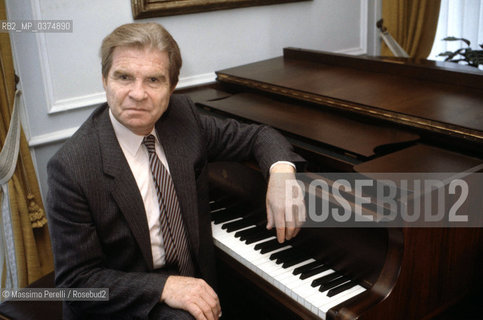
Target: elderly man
{"points": [[128, 195]]}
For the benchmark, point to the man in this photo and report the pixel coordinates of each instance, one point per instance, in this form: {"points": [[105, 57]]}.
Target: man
{"points": [[115, 220]]}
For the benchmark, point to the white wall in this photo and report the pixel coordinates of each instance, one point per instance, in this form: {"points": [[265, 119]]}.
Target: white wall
{"points": [[60, 73]]}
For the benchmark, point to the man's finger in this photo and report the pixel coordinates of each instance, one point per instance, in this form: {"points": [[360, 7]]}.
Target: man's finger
{"points": [[280, 235], [270, 222], [212, 301], [207, 310], [210, 291], [290, 223], [280, 224], [289, 233], [196, 311]]}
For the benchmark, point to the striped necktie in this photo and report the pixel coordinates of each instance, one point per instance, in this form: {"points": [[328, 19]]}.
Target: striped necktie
{"points": [[176, 243]]}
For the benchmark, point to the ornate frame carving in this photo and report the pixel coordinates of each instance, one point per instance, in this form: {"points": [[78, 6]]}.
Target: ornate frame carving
{"points": [[158, 8]]}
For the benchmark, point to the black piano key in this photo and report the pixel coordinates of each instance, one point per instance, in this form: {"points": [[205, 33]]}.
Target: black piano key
{"points": [[244, 234], [283, 253], [341, 288], [227, 213], [218, 213], [224, 206], [294, 254], [259, 236], [231, 212], [306, 267], [257, 212], [225, 216], [241, 233], [325, 279], [289, 256], [291, 262], [239, 224], [222, 202], [313, 272], [273, 247], [333, 284], [262, 245], [253, 216], [274, 256]]}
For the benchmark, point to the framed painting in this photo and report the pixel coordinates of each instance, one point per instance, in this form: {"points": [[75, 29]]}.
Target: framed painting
{"points": [[158, 8]]}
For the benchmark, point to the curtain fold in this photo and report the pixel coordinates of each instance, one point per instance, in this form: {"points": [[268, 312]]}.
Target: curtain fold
{"points": [[25, 221], [412, 23]]}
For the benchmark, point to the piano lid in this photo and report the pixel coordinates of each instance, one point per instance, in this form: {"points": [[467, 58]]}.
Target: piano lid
{"points": [[442, 100], [317, 125]]}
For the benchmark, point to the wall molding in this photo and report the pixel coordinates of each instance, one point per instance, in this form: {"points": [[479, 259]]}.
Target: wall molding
{"points": [[90, 100], [45, 70], [78, 102], [98, 98], [363, 32], [196, 80], [52, 137]]}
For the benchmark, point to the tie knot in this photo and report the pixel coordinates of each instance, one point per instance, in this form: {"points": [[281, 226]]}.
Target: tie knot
{"points": [[148, 141]]}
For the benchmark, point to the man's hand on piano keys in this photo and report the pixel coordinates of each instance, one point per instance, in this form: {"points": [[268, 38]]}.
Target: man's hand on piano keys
{"points": [[193, 295], [280, 206]]}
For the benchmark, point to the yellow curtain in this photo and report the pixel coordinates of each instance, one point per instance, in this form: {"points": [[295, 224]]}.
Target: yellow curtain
{"points": [[33, 252], [412, 23]]}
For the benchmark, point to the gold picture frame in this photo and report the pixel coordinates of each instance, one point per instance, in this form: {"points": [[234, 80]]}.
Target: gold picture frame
{"points": [[158, 8]]}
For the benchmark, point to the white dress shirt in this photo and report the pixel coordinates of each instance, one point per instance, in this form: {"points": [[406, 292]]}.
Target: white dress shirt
{"points": [[138, 159]]}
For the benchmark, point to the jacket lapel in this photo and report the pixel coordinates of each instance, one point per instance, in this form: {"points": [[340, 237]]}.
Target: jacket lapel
{"points": [[123, 186]]}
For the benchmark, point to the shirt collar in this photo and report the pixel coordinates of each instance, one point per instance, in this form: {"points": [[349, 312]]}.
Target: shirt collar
{"points": [[127, 139]]}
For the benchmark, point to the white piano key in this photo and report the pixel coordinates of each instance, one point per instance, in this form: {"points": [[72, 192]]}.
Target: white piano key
{"points": [[233, 220], [266, 256], [234, 232], [282, 278], [287, 278], [289, 271], [305, 289], [343, 296], [318, 299], [247, 251], [267, 266]]}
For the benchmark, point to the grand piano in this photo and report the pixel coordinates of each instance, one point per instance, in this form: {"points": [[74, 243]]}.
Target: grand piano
{"points": [[347, 114]]}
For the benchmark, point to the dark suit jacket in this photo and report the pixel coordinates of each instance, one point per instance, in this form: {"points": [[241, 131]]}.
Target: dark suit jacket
{"points": [[97, 220]]}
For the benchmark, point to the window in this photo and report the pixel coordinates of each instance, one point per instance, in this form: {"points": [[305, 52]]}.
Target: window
{"points": [[461, 19]]}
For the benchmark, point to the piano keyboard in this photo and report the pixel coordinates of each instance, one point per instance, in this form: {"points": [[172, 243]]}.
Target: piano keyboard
{"points": [[240, 232]]}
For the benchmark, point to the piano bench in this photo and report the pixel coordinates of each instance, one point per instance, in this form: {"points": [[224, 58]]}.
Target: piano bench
{"points": [[33, 310]]}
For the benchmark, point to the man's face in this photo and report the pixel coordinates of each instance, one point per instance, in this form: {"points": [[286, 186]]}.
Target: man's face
{"points": [[138, 87]]}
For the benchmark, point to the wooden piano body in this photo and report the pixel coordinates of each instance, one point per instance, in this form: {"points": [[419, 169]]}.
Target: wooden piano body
{"points": [[359, 114]]}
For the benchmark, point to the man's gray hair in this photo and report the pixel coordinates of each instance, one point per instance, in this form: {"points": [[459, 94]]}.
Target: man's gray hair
{"points": [[142, 35]]}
